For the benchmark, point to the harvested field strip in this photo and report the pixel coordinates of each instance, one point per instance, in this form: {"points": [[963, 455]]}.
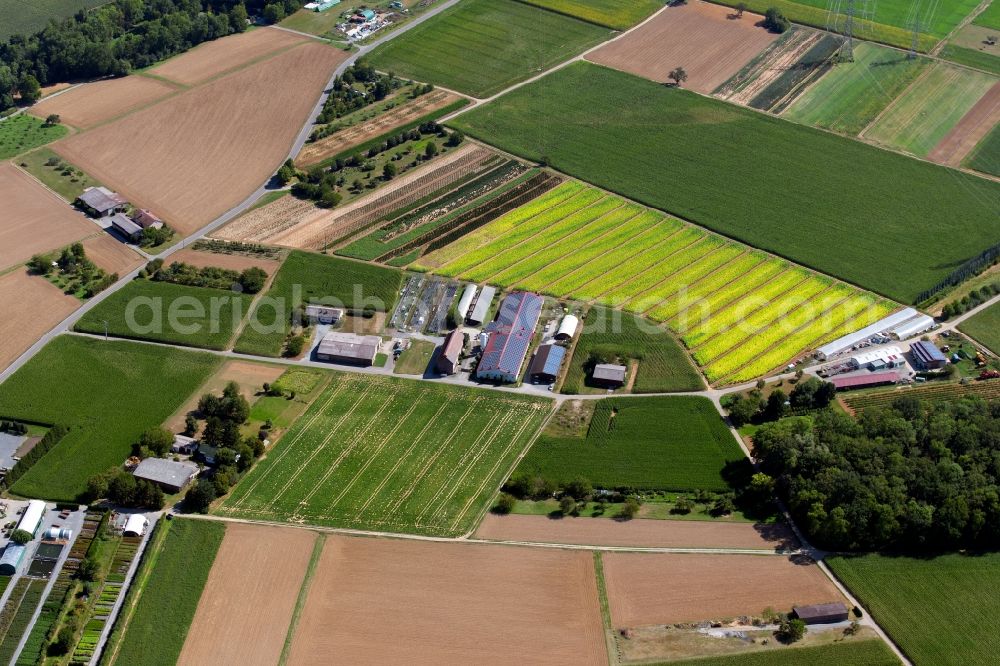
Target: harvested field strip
{"points": [[32, 306], [696, 295], [316, 151], [970, 130], [716, 303], [96, 102], [767, 66], [986, 156], [651, 302], [496, 230], [667, 265], [784, 88]]}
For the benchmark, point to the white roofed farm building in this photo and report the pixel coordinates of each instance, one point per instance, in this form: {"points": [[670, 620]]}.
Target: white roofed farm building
{"points": [[348, 348]]}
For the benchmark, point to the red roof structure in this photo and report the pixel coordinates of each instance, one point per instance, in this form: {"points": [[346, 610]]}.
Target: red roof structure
{"points": [[861, 381]]}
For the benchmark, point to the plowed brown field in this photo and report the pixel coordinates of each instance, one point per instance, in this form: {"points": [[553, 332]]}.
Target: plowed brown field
{"points": [[317, 151], [233, 262], [31, 306], [663, 588], [698, 36], [246, 606], [111, 254], [34, 219], [195, 155], [93, 103], [969, 131], [639, 532], [382, 601], [221, 55]]}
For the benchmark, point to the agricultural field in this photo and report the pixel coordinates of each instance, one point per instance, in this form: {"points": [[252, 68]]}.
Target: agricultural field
{"points": [[24, 132], [851, 94], [16, 614], [606, 113], [615, 14], [698, 36], [908, 595], [111, 255], [63, 178], [306, 277], [172, 313], [733, 307], [404, 601], [989, 17], [161, 604], [481, 47], [660, 363], [199, 150], [21, 18], [32, 306], [984, 327], [97, 102], [986, 156], [105, 397], [970, 130], [988, 390], [661, 443], [34, 220], [871, 652], [924, 115], [234, 262], [418, 458], [972, 46]]}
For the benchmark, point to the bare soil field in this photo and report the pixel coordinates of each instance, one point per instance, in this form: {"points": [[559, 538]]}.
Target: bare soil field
{"points": [[53, 88], [261, 225], [249, 375], [781, 56], [34, 219], [221, 55], [639, 532], [193, 144], [92, 103], [246, 606], [233, 262], [663, 588], [970, 130], [376, 601], [702, 38], [111, 254], [31, 306], [317, 151]]}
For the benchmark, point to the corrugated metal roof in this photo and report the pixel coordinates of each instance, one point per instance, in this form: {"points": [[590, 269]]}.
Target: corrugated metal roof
{"points": [[453, 343], [166, 472], [101, 199], [852, 339], [547, 361], [478, 313], [121, 222], [819, 610], [466, 300], [348, 345], [872, 379], [609, 372]]}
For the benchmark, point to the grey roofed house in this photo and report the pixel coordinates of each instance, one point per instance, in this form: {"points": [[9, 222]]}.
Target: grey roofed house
{"points": [[821, 613], [101, 200], [349, 348], [324, 314], [184, 444], [609, 373], [125, 226], [169, 475], [482, 306]]}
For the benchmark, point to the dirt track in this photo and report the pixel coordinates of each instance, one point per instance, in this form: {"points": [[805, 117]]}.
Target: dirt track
{"points": [[215, 143], [646, 588], [969, 131], [234, 262], [111, 254], [378, 601], [30, 305], [246, 606], [93, 103], [700, 37], [34, 220], [221, 55], [639, 533]]}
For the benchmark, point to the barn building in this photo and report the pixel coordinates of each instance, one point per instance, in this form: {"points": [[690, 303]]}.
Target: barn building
{"points": [[851, 339], [912, 327], [147, 220], [510, 337], [864, 381], [568, 327], [546, 362], [451, 350], [482, 306], [169, 475], [821, 613], [101, 202], [878, 359], [610, 375], [323, 314], [348, 348], [926, 356], [126, 227]]}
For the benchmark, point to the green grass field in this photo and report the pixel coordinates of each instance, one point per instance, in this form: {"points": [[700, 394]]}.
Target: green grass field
{"points": [[851, 94], [305, 277], [24, 132], [661, 443], [854, 653], [26, 18], [107, 393], [616, 14], [62, 178], [663, 365], [767, 182], [971, 58], [480, 47], [929, 109], [166, 312], [937, 610], [986, 156], [990, 18], [164, 607], [393, 455], [985, 327]]}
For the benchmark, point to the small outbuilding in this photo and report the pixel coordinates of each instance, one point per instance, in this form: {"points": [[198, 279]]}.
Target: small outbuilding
{"points": [[822, 613], [32, 516], [482, 306], [146, 219], [169, 475], [546, 362], [567, 327], [101, 202], [126, 227], [184, 445], [348, 348], [136, 525], [451, 350], [465, 300], [926, 355], [323, 314], [610, 375]]}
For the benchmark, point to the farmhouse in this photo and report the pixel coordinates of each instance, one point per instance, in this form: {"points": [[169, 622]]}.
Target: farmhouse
{"points": [[126, 227], [447, 360], [821, 613], [348, 348], [887, 357], [608, 374], [926, 355], [101, 202], [184, 445], [465, 301], [546, 363], [323, 314], [136, 525], [482, 306], [147, 220], [567, 327], [169, 475], [510, 336], [851, 339], [864, 381]]}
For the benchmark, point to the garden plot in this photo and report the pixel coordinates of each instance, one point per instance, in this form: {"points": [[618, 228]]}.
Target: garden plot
{"points": [[970, 130], [31, 306], [391, 455], [93, 103], [702, 38], [403, 601], [930, 108]]}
